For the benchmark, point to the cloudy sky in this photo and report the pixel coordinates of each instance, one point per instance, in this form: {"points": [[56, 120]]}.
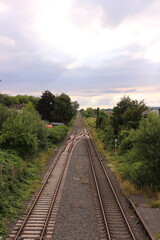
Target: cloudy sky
{"points": [[96, 51]]}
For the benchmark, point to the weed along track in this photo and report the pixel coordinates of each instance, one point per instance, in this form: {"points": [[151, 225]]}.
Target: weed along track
{"points": [[39, 221], [114, 224]]}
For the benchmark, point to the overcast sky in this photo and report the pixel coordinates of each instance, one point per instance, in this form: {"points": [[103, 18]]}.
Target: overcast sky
{"points": [[96, 51]]}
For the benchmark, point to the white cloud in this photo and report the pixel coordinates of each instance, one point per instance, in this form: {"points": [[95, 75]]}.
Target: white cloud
{"points": [[101, 46]]}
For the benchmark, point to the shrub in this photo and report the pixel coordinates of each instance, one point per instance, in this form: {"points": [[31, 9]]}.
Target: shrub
{"points": [[24, 132], [11, 172], [55, 134], [4, 114], [143, 160]]}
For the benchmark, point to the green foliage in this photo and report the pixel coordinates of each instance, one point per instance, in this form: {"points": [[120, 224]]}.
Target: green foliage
{"points": [[109, 138], [11, 174], [75, 106], [18, 180], [125, 140], [157, 236], [89, 112], [4, 114], [141, 154], [128, 113], [22, 136], [97, 118], [63, 111], [55, 134], [46, 105], [104, 120], [56, 108], [119, 110], [24, 132], [19, 99]]}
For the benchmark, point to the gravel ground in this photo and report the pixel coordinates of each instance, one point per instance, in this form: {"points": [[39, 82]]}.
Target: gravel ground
{"points": [[76, 217]]}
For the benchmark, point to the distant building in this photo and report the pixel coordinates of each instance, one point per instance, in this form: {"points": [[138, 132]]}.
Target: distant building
{"points": [[56, 123], [109, 111]]}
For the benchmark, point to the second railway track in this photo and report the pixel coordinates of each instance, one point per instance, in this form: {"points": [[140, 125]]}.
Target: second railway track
{"points": [[115, 224]]}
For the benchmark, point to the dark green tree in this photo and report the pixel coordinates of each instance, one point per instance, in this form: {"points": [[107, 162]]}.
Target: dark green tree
{"points": [[128, 113], [133, 114], [46, 105], [63, 111], [119, 110]]}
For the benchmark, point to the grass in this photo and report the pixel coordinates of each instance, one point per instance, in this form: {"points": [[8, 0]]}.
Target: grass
{"points": [[157, 236], [155, 200]]}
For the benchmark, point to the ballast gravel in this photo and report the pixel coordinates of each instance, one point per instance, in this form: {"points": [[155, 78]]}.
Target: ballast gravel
{"points": [[76, 216]]}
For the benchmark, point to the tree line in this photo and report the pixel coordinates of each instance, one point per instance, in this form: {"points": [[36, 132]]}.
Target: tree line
{"points": [[52, 108], [137, 132]]}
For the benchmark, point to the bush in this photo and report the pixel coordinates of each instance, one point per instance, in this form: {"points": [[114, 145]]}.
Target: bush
{"points": [[24, 132], [125, 140], [4, 114], [55, 134], [142, 161], [11, 172], [18, 179]]}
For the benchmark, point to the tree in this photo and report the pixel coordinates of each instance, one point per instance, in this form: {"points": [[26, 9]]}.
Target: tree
{"points": [[133, 114], [119, 110], [128, 113], [18, 99], [63, 111], [46, 105], [75, 106]]}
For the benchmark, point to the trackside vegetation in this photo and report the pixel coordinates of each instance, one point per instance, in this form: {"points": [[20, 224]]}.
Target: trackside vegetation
{"points": [[137, 133], [26, 144]]}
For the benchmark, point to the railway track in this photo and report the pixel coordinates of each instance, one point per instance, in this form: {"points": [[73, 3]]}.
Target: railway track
{"points": [[114, 224], [38, 223]]}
